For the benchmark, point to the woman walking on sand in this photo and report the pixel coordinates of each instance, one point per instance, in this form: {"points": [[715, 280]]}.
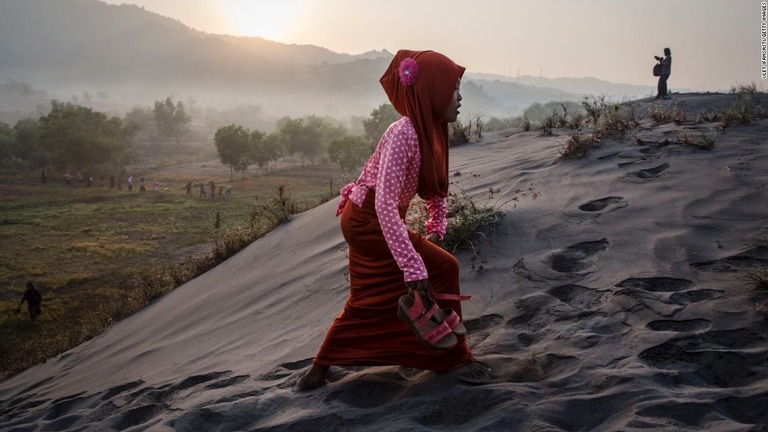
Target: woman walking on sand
{"points": [[392, 270]]}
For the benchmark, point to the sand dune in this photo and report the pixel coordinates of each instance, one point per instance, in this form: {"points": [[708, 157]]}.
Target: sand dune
{"points": [[609, 297]]}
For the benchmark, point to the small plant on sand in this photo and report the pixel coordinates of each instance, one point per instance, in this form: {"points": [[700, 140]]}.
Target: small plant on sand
{"points": [[704, 140], [467, 219], [594, 108], [745, 88], [578, 145], [660, 114], [575, 120], [526, 125], [742, 109], [758, 280], [278, 209], [461, 133], [548, 123]]}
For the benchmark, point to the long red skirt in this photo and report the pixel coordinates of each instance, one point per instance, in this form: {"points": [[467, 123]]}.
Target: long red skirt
{"points": [[368, 331]]}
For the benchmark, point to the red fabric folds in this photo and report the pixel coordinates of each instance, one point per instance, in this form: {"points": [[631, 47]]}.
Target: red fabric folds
{"points": [[368, 331]]}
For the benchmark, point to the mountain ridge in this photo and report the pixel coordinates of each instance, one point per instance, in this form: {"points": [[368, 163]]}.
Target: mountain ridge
{"points": [[134, 56]]}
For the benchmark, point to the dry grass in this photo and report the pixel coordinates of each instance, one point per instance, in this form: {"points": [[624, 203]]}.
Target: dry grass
{"points": [[99, 255], [578, 145]]}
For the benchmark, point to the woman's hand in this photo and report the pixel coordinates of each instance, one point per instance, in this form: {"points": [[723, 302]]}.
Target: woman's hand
{"points": [[421, 285]]}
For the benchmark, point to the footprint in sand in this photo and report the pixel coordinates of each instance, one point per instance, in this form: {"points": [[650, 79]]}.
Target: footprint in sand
{"points": [[683, 326], [648, 173], [731, 264], [578, 257], [577, 296], [531, 369], [656, 284], [694, 296], [725, 358], [602, 204]]}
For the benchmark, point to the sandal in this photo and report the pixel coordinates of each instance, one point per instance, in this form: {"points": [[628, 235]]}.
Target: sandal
{"points": [[437, 335], [448, 315], [453, 321]]}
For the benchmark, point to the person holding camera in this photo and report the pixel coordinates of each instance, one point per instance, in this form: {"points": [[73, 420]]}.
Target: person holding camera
{"points": [[666, 70]]}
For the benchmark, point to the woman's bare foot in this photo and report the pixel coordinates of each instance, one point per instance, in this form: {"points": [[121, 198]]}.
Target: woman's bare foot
{"points": [[474, 373], [314, 378]]}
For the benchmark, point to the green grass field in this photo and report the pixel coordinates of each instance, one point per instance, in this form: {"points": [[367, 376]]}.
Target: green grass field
{"points": [[88, 248]]}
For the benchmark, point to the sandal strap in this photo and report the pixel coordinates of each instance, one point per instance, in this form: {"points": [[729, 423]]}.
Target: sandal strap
{"points": [[437, 333], [447, 296], [426, 316], [452, 320], [417, 309]]}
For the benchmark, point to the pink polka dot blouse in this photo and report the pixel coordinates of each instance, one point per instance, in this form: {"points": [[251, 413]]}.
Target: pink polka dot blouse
{"points": [[393, 173]]}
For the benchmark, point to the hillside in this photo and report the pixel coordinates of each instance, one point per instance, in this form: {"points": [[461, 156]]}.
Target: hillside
{"points": [[611, 296]]}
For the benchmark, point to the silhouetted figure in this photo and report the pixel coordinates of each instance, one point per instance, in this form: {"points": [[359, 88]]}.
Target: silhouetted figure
{"points": [[43, 175], [202, 190], [189, 189], [141, 185], [666, 71], [34, 299]]}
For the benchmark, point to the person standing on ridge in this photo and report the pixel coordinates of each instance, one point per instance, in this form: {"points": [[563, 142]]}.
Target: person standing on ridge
{"points": [[666, 71]]}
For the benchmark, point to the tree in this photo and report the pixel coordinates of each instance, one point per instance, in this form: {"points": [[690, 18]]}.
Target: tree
{"points": [[172, 119], [7, 141], [378, 122], [145, 120], [233, 144], [270, 149], [78, 136], [350, 152], [27, 146], [302, 139]]}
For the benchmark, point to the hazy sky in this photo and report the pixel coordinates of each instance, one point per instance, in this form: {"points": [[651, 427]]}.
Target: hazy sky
{"points": [[715, 43]]}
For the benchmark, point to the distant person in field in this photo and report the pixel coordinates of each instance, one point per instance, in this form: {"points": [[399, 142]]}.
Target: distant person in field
{"points": [[202, 190], [213, 190], [228, 192], [130, 183], [68, 177], [404, 299], [155, 185], [141, 185], [666, 71], [79, 176], [34, 300], [189, 188]]}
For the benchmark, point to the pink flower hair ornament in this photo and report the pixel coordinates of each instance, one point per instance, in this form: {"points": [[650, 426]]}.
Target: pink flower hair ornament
{"points": [[409, 71]]}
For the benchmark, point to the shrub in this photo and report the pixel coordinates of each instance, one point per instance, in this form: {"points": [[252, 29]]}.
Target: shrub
{"points": [[578, 145], [466, 219]]}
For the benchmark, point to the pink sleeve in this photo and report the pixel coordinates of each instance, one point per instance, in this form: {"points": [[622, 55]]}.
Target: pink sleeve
{"points": [[437, 222], [393, 168]]}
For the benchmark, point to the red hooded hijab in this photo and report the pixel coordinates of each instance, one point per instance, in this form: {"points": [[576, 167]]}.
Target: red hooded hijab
{"points": [[420, 85]]}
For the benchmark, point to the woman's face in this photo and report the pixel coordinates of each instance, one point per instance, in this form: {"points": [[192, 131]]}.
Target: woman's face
{"points": [[452, 113]]}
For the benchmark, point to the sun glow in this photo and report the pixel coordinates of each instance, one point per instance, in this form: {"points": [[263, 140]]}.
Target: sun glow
{"points": [[270, 19]]}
